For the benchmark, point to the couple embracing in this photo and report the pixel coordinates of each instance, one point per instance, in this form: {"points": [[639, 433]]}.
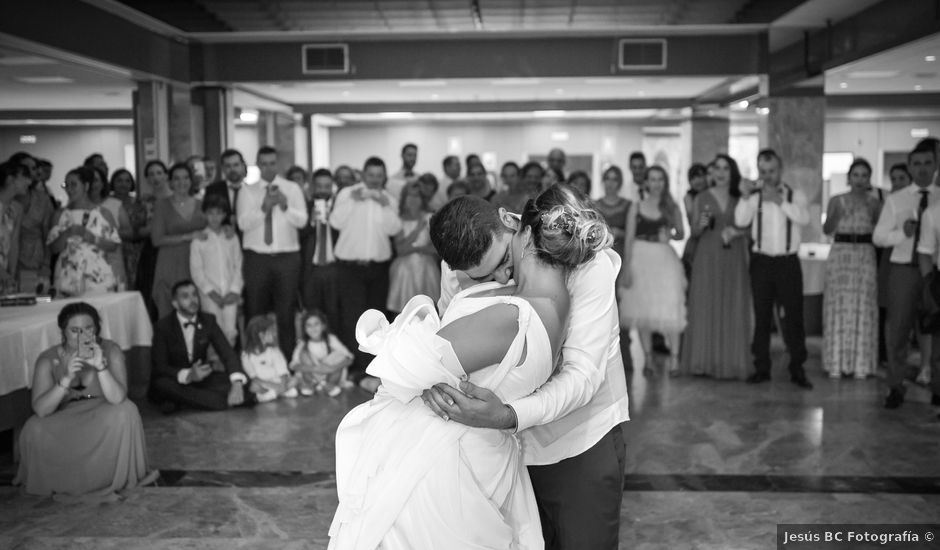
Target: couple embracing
{"points": [[497, 425]]}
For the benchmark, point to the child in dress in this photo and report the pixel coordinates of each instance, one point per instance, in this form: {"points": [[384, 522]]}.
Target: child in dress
{"points": [[215, 263], [263, 361], [320, 361]]}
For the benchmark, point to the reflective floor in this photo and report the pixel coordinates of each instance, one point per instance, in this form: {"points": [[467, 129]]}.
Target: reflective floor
{"points": [[709, 465]]}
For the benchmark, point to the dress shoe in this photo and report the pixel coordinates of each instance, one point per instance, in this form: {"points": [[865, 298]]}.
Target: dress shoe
{"points": [[757, 378], [894, 399], [935, 400], [801, 381]]}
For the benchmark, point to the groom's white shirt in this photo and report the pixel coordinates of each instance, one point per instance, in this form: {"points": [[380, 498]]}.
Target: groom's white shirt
{"points": [[587, 394]]}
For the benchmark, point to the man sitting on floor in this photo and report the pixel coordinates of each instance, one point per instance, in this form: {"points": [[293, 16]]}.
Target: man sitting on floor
{"points": [[181, 375]]}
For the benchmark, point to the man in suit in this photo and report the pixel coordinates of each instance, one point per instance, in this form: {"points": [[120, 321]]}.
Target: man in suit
{"points": [[234, 172], [180, 374]]}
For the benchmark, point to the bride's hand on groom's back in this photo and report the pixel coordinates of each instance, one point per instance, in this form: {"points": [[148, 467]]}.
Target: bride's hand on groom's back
{"points": [[471, 406]]}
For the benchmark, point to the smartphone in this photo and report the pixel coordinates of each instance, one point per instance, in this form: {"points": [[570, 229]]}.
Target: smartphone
{"points": [[199, 170], [85, 349]]}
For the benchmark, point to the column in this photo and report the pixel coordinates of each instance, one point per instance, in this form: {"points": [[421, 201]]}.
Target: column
{"points": [[277, 130], [795, 126], [151, 127], [709, 132], [186, 126], [218, 118]]}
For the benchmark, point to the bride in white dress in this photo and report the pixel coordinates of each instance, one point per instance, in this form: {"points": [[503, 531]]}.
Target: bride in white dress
{"points": [[407, 479]]}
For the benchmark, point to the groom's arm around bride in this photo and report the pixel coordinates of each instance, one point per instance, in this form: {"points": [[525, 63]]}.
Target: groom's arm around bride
{"points": [[571, 424]]}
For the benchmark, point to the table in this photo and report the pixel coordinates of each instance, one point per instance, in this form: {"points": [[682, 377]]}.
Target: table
{"points": [[27, 331], [813, 257]]}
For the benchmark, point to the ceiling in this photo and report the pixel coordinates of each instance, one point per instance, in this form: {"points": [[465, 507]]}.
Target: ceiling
{"points": [[903, 70], [466, 90], [446, 16], [29, 81]]}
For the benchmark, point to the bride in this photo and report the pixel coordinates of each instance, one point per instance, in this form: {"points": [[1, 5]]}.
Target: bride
{"points": [[408, 479]]}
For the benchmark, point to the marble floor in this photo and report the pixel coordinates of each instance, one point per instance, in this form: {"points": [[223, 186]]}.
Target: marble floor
{"points": [[709, 465]]}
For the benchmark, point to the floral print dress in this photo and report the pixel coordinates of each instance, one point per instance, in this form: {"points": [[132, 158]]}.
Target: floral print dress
{"points": [[82, 267]]}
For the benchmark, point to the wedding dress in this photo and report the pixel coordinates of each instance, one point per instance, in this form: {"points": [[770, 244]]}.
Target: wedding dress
{"points": [[409, 480]]}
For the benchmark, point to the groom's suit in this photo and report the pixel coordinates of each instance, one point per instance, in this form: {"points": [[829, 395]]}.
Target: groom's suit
{"points": [[571, 430], [171, 361]]}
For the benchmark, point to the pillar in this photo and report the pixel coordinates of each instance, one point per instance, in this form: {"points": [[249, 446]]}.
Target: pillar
{"points": [[709, 131], [218, 115], [151, 127], [186, 125], [794, 127], [277, 130]]}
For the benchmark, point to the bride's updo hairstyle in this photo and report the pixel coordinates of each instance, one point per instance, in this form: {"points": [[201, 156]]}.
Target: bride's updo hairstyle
{"points": [[566, 229]]}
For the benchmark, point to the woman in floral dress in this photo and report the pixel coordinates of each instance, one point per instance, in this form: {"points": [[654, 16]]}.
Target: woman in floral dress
{"points": [[82, 235], [850, 302]]}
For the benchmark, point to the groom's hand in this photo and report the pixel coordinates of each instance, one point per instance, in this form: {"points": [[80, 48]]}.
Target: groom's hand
{"points": [[471, 406]]}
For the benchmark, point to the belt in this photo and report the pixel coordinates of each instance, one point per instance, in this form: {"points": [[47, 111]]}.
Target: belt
{"points": [[765, 255], [360, 263], [853, 238]]}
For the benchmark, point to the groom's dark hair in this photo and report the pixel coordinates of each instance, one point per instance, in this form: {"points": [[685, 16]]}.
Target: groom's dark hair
{"points": [[463, 229]]}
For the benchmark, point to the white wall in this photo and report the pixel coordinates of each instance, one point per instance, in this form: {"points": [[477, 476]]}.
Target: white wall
{"points": [[871, 139], [611, 141], [67, 147]]}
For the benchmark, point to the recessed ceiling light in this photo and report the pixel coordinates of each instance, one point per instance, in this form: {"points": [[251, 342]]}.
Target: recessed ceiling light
{"points": [[559, 90], [395, 115], [551, 113], [516, 82], [843, 85], [872, 74], [346, 93], [763, 110], [435, 96], [930, 58], [918, 87], [743, 104], [422, 83], [44, 79], [641, 93]]}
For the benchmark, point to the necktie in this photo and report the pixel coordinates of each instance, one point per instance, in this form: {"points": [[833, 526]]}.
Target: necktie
{"points": [[269, 227], [921, 206], [322, 230]]}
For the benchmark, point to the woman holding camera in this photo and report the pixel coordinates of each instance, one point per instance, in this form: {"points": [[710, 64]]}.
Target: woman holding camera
{"points": [[716, 342], [86, 437]]}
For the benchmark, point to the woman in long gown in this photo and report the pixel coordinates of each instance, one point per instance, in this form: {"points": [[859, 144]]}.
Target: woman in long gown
{"points": [[652, 291], [157, 187], [82, 236], [850, 302], [408, 479], [716, 342], [416, 268], [177, 220], [86, 437]]}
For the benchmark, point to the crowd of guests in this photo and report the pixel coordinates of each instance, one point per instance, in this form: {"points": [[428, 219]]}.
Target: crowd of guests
{"points": [[255, 288]]}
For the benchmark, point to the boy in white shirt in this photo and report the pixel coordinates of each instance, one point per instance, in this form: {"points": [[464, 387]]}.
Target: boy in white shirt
{"points": [[215, 262]]}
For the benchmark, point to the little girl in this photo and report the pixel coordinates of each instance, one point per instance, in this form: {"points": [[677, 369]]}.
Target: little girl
{"points": [[320, 360], [264, 363]]}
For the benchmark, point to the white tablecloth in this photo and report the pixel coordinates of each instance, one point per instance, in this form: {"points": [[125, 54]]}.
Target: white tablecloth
{"points": [[27, 331], [813, 258]]}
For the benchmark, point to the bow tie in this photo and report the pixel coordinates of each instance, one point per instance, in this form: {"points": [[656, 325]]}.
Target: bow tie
{"points": [[188, 324]]}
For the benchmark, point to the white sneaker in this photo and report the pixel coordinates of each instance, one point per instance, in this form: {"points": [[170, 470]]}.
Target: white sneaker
{"points": [[306, 392], [291, 393], [334, 391], [266, 396]]}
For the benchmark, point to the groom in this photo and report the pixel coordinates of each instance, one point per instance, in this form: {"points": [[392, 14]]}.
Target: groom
{"points": [[570, 427]]}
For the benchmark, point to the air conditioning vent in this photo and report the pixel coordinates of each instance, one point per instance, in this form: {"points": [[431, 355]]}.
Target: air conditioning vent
{"points": [[642, 53], [326, 59]]}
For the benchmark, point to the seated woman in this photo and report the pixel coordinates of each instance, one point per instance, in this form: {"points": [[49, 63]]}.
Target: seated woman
{"points": [[86, 437]]}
